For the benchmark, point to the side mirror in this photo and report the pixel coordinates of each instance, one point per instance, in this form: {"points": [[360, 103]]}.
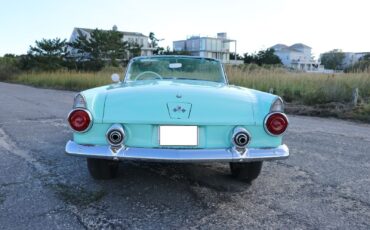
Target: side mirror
{"points": [[115, 77]]}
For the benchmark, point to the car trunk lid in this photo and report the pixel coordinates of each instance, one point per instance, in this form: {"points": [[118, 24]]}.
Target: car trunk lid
{"points": [[179, 102]]}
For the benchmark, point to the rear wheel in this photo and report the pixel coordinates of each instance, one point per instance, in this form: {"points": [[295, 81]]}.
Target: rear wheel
{"points": [[246, 171], [101, 169]]}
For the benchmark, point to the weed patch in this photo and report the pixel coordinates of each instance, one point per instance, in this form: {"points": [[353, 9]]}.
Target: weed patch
{"points": [[76, 195]]}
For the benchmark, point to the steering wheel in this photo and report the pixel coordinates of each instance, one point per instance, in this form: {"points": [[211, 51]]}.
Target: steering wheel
{"points": [[156, 75]]}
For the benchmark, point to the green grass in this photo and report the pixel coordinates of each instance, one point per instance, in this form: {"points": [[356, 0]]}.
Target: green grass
{"points": [[320, 94]]}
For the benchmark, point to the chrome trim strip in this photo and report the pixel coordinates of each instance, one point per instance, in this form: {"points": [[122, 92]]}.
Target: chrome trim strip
{"points": [[88, 113], [225, 78], [267, 117], [177, 155]]}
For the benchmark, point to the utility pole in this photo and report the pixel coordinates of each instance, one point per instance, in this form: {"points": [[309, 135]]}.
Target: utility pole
{"points": [[235, 53]]}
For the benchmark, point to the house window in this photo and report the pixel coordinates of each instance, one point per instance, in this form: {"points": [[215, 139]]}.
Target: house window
{"points": [[218, 42], [214, 45], [202, 44]]}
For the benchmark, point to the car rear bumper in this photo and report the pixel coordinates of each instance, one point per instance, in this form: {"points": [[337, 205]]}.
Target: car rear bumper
{"points": [[176, 155]]}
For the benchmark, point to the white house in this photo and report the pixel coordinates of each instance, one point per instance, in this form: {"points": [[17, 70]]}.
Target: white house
{"points": [[132, 37], [297, 56], [211, 47], [351, 58]]}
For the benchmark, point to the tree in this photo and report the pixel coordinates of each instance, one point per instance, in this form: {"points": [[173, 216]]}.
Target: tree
{"points": [[366, 57], [49, 48], [168, 51], [268, 57], [333, 59], [134, 49], [263, 57], [153, 40], [249, 58], [47, 54], [238, 57], [100, 46], [154, 43]]}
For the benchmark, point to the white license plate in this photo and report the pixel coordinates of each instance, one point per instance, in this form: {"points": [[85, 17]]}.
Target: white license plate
{"points": [[178, 135]]}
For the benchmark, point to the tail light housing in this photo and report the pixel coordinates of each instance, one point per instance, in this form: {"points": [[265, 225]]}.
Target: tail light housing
{"points": [[276, 123], [80, 120]]}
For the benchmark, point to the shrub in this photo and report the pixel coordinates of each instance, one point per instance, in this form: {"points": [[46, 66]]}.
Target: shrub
{"points": [[8, 67]]}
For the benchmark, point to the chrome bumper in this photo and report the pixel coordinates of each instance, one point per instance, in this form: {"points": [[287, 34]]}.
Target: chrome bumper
{"points": [[176, 155]]}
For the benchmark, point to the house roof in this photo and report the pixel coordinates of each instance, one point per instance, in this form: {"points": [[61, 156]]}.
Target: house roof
{"points": [[285, 48], [123, 32], [293, 48], [299, 45], [289, 49], [279, 46]]}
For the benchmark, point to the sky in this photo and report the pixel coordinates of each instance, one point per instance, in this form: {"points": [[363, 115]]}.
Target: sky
{"points": [[323, 25]]}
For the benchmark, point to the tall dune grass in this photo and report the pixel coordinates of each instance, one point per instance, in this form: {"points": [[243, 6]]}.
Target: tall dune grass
{"points": [[75, 81], [309, 88]]}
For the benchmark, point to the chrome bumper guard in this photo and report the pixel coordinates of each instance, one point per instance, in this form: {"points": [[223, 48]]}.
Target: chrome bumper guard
{"points": [[176, 155]]}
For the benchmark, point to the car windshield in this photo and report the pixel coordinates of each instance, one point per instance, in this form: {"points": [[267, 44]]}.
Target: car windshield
{"points": [[177, 67]]}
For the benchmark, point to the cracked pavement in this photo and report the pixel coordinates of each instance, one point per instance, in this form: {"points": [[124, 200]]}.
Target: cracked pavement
{"points": [[324, 184]]}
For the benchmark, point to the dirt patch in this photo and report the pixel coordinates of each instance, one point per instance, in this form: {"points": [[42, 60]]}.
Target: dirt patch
{"points": [[2, 198], [77, 195], [333, 109]]}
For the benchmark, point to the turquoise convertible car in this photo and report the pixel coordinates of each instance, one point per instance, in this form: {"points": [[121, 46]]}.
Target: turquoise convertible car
{"points": [[176, 109]]}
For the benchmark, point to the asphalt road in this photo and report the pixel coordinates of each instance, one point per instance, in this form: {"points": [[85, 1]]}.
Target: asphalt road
{"points": [[324, 184]]}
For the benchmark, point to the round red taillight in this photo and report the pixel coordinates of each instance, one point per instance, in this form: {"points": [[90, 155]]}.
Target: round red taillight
{"points": [[276, 123], [79, 120]]}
